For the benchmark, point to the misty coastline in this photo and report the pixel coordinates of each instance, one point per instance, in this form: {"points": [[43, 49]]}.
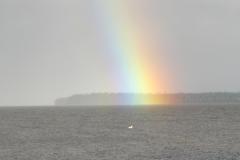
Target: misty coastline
{"points": [[216, 98]]}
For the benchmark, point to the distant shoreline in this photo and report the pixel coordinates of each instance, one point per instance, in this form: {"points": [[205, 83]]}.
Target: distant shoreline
{"points": [[114, 106], [122, 99]]}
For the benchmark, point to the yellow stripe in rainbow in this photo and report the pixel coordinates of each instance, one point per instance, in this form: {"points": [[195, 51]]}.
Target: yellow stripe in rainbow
{"points": [[132, 53]]}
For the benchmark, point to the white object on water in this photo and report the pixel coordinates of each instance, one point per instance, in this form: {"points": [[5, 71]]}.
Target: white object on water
{"points": [[130, 127]]}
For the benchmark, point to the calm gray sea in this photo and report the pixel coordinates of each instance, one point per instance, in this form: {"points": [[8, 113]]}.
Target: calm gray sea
{"points": [[103, 133]]}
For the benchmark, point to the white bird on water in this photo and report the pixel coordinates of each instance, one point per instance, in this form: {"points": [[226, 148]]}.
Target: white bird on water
{"points": [[130, 127]]}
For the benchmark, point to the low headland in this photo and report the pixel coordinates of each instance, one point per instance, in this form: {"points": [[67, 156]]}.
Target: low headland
{"points": [[94, 99]]}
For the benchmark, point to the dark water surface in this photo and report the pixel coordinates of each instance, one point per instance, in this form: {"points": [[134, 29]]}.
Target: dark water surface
{"points": [[89, 133]]}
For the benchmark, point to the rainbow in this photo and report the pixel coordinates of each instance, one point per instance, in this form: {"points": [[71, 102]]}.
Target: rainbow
{"points": [[137, 69]]}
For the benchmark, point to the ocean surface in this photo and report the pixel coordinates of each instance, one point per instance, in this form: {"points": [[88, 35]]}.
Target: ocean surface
{"points": [[120, 133]]}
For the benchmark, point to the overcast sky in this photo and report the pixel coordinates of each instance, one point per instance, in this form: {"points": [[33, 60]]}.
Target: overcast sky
{"points": [[50, 48]]}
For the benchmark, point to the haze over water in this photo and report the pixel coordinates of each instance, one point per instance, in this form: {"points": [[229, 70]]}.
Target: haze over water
{"points": [[53, 48]]}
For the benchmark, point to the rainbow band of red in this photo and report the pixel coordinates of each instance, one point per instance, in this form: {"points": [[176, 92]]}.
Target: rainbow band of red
{"points": [[135, 67]]}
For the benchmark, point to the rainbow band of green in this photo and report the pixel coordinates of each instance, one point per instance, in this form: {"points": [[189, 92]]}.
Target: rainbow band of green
{"points": [[126, 46]]}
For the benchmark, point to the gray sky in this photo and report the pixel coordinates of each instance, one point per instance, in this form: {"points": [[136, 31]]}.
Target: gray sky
{"points": [[50, 48]]}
